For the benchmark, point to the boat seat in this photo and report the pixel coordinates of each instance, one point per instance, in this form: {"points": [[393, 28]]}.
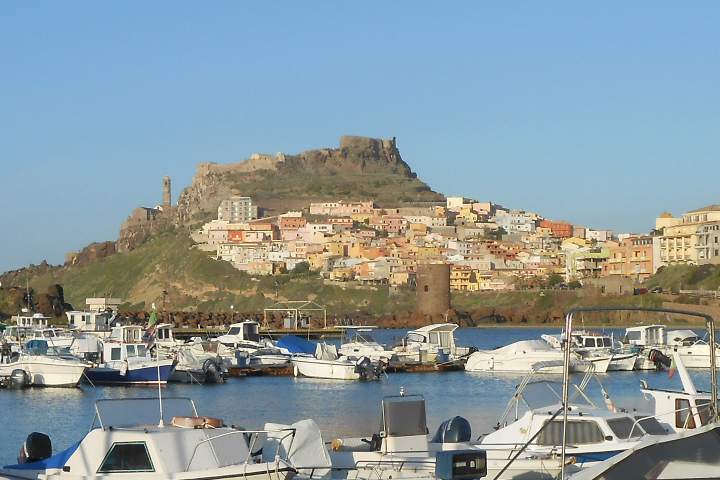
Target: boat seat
{"points": [[196, 422]]}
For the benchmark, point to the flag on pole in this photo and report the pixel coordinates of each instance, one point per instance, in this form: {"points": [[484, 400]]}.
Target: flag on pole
{"points": [[151, 328], [673, 366]]}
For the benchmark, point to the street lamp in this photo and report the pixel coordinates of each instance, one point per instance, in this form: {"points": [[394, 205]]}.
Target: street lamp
{"points": [[232, 314]]}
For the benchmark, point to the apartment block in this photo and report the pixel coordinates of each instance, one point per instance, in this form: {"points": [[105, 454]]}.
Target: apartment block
{"points": [[237, 209]]}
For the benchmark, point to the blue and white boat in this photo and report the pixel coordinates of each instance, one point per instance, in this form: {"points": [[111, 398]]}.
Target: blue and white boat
{"points": [[141, 438], [126, 360]]}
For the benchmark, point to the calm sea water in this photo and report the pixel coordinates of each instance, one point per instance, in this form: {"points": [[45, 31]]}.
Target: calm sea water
{"points": [[340, 408]]}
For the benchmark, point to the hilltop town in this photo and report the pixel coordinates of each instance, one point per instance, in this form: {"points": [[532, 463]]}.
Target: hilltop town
{"points": [[490, 248]]}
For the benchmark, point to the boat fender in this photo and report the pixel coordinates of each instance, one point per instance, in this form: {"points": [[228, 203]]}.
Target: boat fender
{"points": [[19, 379], [36, 447]]}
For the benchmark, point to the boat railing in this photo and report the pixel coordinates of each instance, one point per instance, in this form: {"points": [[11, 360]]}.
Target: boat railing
{"points": [[256, 441]]}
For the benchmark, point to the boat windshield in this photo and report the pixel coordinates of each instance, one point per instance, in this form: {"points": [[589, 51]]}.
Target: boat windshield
{"points": [[128, 412], [545, 393]]}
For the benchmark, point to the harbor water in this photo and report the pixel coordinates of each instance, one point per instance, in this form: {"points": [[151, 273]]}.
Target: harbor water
{"points": [[340, 408]]}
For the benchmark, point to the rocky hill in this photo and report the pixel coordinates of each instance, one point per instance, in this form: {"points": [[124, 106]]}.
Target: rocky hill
{"points": [[361, 169]]}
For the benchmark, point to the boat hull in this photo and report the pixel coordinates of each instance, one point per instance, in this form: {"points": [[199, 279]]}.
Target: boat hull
{"points": [[44, 371], [144, 374], [330, 369]]}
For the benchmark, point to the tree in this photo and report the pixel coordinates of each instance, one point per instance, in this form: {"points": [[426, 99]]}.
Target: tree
{"points": [[555, 279], [300, 268]]}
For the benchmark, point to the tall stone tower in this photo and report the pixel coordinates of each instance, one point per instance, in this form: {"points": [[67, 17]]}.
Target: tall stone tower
{"points": [[167, 202], [433, 288]]}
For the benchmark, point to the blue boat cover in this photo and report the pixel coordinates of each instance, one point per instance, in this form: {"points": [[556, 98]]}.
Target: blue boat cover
{"points": [[296, 344], [56, 461]]}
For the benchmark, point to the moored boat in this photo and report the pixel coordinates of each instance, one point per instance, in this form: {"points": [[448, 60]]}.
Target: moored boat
{"points": [[160, 440], [39, 364]]}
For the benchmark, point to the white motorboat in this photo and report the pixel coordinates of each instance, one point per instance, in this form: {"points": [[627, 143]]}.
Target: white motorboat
{"points": [[194, 362], [358, 342], [686, 455], [596, 347], [690, 454], [242, 335], [523, 355], [326, 363], [191, 368], [54, 336], [142, 438], [404, 450], [533, 422], [40, 365], [656, 345], [431, 343], [516, 357]]}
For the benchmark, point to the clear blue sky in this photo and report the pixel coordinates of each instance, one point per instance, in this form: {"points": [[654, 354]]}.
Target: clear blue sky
{"points": [[603, 114]]}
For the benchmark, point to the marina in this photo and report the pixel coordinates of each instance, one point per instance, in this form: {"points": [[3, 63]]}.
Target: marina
{"points": [[339, 408]]}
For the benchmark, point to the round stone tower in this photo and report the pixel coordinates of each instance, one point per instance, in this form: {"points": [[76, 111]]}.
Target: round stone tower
{"points": [[433, 287], [167, 202]]}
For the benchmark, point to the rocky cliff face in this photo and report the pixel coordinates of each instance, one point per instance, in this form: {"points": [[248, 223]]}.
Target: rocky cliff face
{"points": [[280, 181], [356, 155]]}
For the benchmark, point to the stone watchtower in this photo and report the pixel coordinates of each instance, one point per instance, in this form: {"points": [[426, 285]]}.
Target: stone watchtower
{"points": [[433, 288], [167, 202]]}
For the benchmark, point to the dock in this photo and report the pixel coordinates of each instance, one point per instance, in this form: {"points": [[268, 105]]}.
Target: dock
{"points": [[272, 333], [287, 370]]}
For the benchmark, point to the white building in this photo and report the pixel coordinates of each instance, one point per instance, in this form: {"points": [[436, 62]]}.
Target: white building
{"points": [[237, 209]]}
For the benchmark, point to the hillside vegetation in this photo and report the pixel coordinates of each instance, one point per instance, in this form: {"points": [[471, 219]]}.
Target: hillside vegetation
{"points": [[194, 282]]}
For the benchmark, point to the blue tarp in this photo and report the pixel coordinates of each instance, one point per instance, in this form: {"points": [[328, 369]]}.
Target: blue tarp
{"points": [[296, 344]]}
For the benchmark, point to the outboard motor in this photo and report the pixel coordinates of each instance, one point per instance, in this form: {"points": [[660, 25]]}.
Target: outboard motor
{"points": [[19, 379], [455, 430], [660, 360], [381, 366], [213, 372], [37, 446], [364, 367]]}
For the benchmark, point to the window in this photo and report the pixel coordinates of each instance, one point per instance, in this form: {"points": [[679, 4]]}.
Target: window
{"points": [[115, 353], [683, 416], [624, 427], [127, 457], [704, 410], [578, 432]]}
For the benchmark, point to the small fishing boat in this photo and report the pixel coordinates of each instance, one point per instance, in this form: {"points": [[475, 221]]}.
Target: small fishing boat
{"points": [[326, 363], [145, 438], [358, 342], [126, 360]]}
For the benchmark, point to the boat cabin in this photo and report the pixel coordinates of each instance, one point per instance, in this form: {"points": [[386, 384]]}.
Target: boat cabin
{"points": [[35, 320], [646, 335], [247, 332], [89, 321]]}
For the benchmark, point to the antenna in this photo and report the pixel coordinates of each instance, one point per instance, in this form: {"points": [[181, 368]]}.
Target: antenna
{"points": [[159, 392]]}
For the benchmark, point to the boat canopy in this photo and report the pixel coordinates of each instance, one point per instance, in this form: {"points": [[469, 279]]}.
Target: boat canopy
{"points": [[296, 344]]}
